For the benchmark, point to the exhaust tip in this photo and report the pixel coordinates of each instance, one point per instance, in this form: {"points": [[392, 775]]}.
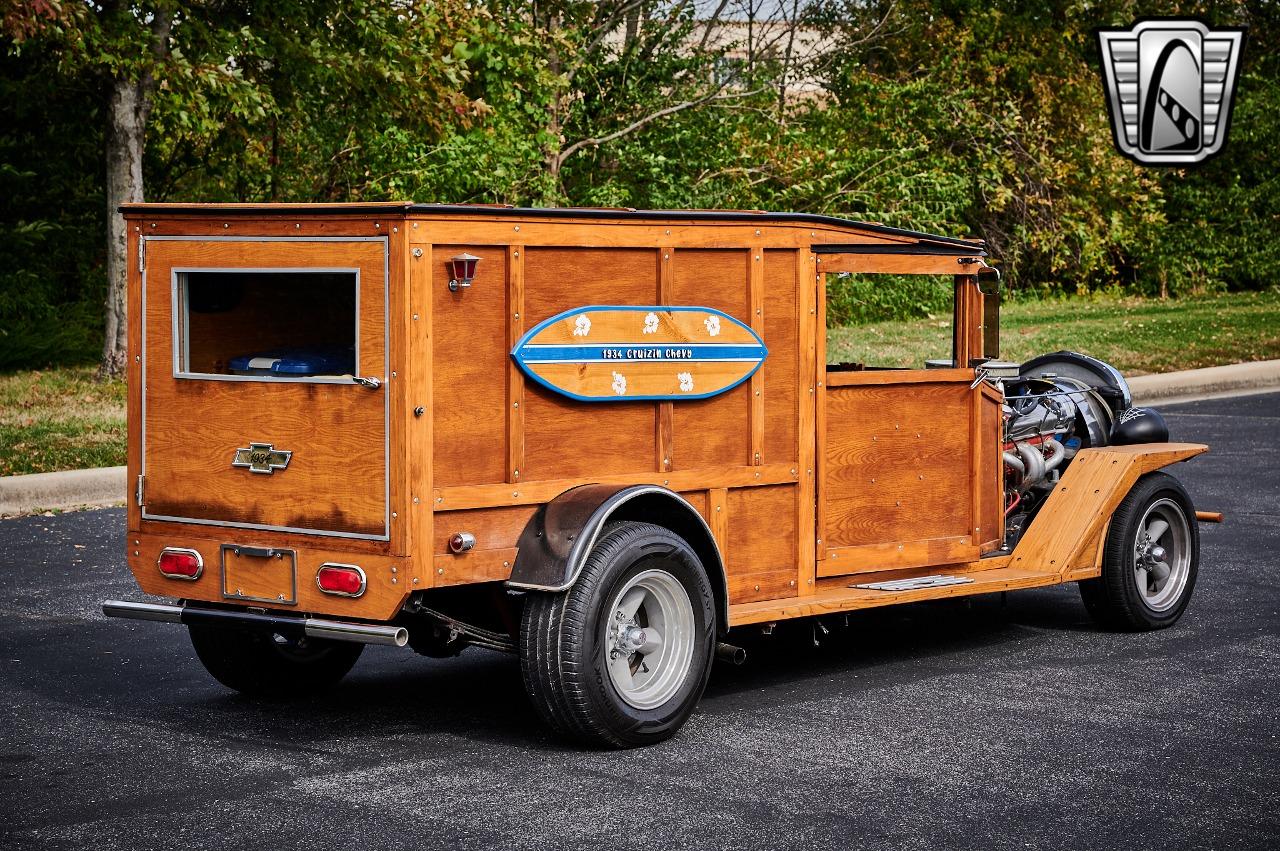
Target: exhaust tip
{"points": [[731, 653]]}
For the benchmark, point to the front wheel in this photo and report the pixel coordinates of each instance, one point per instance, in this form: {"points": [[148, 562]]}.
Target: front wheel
{"points": [[264, 664], [1150, 560], [622, 657]]}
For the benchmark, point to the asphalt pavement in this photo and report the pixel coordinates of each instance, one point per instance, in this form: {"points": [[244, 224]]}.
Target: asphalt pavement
{"points": [[994, 723]]}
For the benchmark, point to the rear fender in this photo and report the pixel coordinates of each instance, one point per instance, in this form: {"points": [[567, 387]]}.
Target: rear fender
{"points": [[561, 534]]}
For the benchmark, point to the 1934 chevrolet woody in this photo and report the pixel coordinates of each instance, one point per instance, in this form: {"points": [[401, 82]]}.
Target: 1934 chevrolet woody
{"points": [[606, 440]]}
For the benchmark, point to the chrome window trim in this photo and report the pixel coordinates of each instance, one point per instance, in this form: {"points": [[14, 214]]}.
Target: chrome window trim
{"points": [[364, 580], [386, 395], [188, 551]]}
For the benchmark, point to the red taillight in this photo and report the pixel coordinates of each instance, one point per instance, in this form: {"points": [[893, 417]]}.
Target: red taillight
{"points": [[177, 563], [345, 580]]}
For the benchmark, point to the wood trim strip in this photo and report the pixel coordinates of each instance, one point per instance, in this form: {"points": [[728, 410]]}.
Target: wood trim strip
{"points": [[718, 519], [664, 449], [475, 566], [897, 376], [515, 378], [806, 430], [872, 558], [533, 493], [755, 306], [820, 529]]}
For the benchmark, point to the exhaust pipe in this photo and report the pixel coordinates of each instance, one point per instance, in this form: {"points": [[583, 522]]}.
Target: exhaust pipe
{"points": [[730, 653], [360, 633]]}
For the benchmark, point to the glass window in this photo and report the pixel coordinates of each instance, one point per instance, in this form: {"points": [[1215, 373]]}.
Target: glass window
{"points": [[267, 324], [889, 321]]}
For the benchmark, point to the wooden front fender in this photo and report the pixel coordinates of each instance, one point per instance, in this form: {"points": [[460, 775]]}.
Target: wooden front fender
{"points": [[1068, 532]]}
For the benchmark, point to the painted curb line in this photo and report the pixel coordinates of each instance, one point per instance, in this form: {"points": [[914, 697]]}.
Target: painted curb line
{"points": [[67, 489]]}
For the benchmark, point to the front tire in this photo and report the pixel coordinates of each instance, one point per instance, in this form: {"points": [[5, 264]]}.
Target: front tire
{"points": [[1150, 561], [263, 664], [621, 658]]}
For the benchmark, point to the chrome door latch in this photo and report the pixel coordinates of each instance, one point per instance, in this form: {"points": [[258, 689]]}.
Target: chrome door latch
{"points": [[370, 383]]}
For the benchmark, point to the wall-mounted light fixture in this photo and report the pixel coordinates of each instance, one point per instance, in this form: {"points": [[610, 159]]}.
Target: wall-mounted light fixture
{"points": [[462, 270]]}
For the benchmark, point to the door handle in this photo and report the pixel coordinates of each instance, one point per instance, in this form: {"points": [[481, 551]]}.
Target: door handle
{"points": [[370, 382]]}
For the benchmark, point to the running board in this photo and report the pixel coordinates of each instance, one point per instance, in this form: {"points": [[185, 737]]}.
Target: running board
{"points": [[836, 595], [360, 633]]}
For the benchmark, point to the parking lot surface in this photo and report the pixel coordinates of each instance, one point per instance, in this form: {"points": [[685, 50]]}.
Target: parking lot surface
{"points": [[996, 723]]}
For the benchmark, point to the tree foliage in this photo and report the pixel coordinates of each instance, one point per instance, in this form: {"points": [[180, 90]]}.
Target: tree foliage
{"points": [[955, 116]]}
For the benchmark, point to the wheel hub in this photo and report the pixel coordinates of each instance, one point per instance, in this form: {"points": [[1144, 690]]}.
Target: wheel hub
{"points": [[650, 639]]}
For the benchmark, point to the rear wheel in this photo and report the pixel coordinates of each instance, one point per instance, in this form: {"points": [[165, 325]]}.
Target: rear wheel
{"points": [[622, 657], [1150, 561], [265, 664]]}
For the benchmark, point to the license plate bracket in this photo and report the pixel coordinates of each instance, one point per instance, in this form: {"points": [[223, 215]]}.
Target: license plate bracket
{"points": [[259, 574]]}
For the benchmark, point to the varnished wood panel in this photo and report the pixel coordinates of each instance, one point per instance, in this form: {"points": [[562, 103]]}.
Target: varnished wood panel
{"points": [[989, 471], [713, 432], [475, 566], [471, 362], [897, 463], [389, 579], [763, 542], [896, 555], [337, 477], [494, 528], [565, 438], [779, 375]]}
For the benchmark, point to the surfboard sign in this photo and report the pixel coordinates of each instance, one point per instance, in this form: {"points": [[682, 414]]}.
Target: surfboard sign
{"points": [[602, 353]]}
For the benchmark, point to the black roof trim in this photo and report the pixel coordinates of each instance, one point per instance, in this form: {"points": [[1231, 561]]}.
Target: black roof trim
{"points": [[968, 249], [403, 207]]}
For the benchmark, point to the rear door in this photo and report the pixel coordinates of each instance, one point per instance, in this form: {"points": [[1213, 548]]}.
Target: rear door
{"points": [[264, 384]]}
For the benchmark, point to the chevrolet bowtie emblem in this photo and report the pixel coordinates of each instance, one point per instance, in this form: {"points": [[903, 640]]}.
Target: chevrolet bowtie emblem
{"points": [[262, 458], [1169, 88]]}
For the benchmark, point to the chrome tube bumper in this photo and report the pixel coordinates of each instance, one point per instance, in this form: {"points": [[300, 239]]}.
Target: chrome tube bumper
{"points": [[361, 633]]}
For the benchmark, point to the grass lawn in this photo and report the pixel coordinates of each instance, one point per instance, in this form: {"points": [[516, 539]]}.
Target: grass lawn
{"points": [[1137, 336], [60, 419]]}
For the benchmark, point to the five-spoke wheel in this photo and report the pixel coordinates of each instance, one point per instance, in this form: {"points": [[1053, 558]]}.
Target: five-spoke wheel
{"points": [[621, 658], [1150, 560]]}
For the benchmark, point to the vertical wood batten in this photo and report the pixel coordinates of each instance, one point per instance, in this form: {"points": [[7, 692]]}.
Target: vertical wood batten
{"points": [[807, 315], [755, 305], [515, 378], [664, 445], [718, 519], [419, 389], [820, 406]]}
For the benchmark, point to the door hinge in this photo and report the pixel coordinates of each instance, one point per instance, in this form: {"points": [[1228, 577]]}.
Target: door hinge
{"points": [[142, 254], [141, 483]]}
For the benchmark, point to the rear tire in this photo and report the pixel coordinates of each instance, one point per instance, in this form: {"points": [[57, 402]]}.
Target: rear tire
{"points": [[263, 664], [1150, 560], [621, 658]]}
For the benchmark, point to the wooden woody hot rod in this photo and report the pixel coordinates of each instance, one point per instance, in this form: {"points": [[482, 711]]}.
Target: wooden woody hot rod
{"points": [[606, 440]]}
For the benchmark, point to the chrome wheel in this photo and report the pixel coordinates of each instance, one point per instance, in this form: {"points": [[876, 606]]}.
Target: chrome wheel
{"points": [[649, 639], [1162, 555]]}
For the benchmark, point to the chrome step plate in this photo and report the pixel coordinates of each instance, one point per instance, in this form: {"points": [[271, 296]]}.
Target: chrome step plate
{"points": [[915, 583]]}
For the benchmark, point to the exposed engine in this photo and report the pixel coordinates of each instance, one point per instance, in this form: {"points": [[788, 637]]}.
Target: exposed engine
{"points": [[1057, 405]]}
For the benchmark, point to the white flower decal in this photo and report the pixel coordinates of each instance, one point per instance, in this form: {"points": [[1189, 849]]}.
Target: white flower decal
{"points": [[581, 325], [619, 384], [713, 325], [686, 381], [651, 323]]}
